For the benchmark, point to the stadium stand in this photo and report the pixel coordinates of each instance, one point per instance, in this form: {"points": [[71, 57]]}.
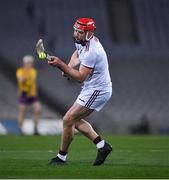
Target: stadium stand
{"points": [[139, 71], [153, 22]]}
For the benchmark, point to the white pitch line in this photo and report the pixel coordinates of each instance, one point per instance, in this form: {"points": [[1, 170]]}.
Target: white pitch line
{"points": [[29, 151], [131, 151], [158, 150], [116, 151]]}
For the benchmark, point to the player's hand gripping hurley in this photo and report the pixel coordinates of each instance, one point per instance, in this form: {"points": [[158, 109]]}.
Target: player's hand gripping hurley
{"points": [[42, 54]]}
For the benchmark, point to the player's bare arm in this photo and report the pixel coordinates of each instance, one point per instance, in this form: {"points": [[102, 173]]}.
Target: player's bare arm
{"points": [[22, 78], [74, 61], [79, 75]]}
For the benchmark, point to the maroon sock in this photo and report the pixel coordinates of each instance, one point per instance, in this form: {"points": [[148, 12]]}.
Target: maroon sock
{"points": [[63, 153], [97, 140]]}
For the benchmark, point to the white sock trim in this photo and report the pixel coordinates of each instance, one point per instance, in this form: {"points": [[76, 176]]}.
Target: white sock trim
{"points": [[62, 157], [100, 144]]}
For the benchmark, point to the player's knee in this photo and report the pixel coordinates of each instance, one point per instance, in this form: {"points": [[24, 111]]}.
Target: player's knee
{"points": [[68, 120], [37, 109]]}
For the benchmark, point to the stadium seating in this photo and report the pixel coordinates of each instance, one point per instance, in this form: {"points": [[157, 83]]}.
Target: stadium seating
{"points": [[153, 22]]}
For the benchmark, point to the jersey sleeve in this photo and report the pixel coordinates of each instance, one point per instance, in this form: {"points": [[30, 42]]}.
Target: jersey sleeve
{"points": [[88, 59], [18, 73]]}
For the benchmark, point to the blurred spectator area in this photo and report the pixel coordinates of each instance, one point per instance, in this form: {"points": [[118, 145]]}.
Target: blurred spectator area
{"points": [[8, 96], [135, 34], [134, 27]]}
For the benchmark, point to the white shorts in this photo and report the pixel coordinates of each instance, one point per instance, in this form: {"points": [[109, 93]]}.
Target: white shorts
{"points": [[93, 98]]}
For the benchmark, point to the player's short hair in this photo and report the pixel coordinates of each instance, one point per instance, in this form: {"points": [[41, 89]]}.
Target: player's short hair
{"points": [[28, 59]]}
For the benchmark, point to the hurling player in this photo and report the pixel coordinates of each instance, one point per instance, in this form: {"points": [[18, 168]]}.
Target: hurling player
{"points": [[27, 92], [94, 73]]}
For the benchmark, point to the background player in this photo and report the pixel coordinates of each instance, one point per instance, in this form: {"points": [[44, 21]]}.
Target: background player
{"points": [[27, 90], [96, 91]]}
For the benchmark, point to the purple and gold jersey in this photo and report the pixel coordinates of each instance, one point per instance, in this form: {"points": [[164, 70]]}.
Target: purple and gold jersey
{"points": [[27, 82]]}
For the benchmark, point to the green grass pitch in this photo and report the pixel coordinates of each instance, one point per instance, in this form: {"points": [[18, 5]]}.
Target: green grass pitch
{"points": [[133, 157]]}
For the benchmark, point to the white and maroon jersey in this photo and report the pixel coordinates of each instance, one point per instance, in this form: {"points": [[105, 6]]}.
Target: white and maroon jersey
{"points": [[93, 55]]}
